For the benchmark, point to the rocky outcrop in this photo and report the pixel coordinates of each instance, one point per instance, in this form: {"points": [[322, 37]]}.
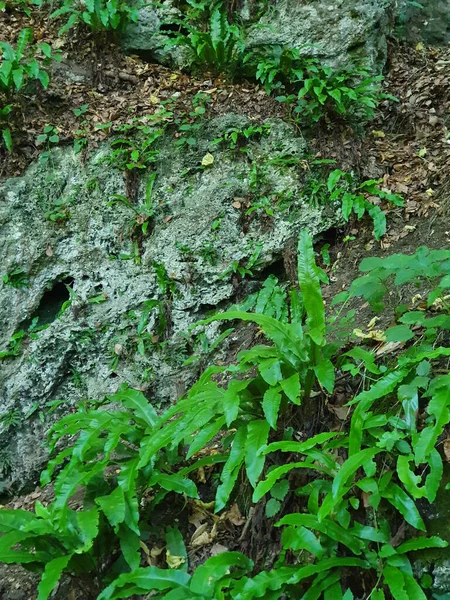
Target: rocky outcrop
{"points": [[341, 32], [89, 280]]}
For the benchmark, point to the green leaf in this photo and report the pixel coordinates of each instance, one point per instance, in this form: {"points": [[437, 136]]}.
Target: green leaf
{"points": [[138, 403], [309, 282], [408, 478], [206, 576], [6, 134], [204, 435], [272, 508], [264, 486], [395, 581], [291, 387], [285, 337], [129, 545], [300, 538], [379, 220], [146, 580], [175, 545], [439, 407], [302, 447], [113, 506], [399, 333], [51, 576], [231, 399], [280, 490], [324, 371], [421, 543], [404, 504], [17, 75], [364, 401], [256, 440], [320, 584], [434, 477], [346, 472], [333, 178], [271, 406], [231, 468], [174, 483]]}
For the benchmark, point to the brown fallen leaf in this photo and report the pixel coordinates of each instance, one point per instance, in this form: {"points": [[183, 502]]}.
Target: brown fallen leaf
{"points": [[447, 449]]}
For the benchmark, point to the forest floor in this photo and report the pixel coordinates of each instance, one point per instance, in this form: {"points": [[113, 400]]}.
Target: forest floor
{"points": [[407, 145]]}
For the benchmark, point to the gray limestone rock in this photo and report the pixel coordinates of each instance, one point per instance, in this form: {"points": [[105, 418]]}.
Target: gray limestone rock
{"points": [[341, 32], [200, 235]]}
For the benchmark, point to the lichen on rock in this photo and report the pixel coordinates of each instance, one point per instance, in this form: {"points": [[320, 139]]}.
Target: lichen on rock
{"points": [[89, 349]]}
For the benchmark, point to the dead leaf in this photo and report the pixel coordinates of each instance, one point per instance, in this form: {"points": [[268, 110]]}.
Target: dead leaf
{"points": [[207, 160], [366, 499], [218, 549], [49, 251], [376, 334], [447, 449], [234, 516], [341, 412], [372, 323], [173, 561]]}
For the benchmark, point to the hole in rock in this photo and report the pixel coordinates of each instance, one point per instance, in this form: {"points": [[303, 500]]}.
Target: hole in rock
{"points": [[276, 268], [51, 302], [330, 236]]}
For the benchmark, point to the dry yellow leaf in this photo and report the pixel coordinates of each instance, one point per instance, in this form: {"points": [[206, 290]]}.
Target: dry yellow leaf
{"points": [[207, 160], [376, 334], [174, 562]]}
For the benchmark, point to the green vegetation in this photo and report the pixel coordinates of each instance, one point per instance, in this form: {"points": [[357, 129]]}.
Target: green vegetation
{"points": [[341, 187], [18, 67], [314, 91], [336, 517], [311, 90], [98, 15], [23, 5], [238, 138], [16, 278], [143, 213], [213, 42], [19, 338], [48, 138]]}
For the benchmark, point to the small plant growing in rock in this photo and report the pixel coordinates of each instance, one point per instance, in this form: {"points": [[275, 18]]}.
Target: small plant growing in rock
{"points": [[314, 91], [81, 140], [341, 187], [16, 278], [214, 42], [136, 150], [237, 138], [11, 419], [47, 139], [145, 212]]}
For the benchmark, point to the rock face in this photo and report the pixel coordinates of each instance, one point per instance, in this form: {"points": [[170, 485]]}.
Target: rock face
{"points": [[341, 32], [90, 282]]}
